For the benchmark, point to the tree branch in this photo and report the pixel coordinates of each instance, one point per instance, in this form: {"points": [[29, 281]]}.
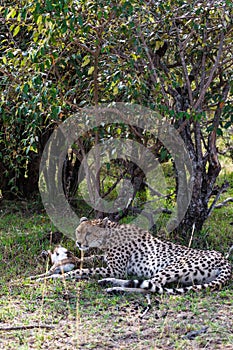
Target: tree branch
{"points": [[220, 205], [215, 66], [184, 66], [154, 76], [223, 187]]}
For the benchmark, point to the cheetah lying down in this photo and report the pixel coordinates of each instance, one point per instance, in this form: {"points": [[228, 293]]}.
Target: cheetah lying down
{"points": [[132, 251]]}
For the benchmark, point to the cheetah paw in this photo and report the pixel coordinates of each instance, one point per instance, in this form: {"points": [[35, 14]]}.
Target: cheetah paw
{"points": [[115, 290], [107, 281]]}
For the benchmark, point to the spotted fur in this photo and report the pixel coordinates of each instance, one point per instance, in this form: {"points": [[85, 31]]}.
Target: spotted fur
{"points": [[132, 251]]}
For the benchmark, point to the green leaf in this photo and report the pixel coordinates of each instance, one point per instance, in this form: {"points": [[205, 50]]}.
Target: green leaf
{"points": [[80, 20], [26, 88], [115, 90], [16, 30], [39, 19], [86, 61], [35, 36], [91, 70], [228, 125], [11, 14]]}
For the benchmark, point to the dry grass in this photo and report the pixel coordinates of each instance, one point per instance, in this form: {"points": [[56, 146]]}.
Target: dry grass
{"points": [[84, 317]]}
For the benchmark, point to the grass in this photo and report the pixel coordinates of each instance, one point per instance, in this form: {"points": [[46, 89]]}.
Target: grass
{"points": [[80, 315]]}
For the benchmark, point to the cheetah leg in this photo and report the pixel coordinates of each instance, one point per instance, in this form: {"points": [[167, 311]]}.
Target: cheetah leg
{"points": [[180, 273], [80, 274], [172, 273], [114, 290], [116, 282], [120, 285]]}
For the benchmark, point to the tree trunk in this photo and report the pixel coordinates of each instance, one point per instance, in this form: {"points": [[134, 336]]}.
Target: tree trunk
{"points": [[206, 168]]}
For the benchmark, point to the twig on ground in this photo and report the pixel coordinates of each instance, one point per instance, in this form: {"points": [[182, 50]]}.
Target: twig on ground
{"points": [[25, 327], [193, 334]]}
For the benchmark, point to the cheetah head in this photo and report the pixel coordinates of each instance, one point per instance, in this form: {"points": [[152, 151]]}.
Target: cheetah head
{"points": [[90, 235]]}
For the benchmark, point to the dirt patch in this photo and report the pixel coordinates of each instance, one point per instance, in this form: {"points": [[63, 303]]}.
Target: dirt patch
{"points": [[90, 319]]}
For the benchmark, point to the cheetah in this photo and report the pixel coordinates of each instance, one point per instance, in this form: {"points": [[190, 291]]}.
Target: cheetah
{"points": [[157, 265]]}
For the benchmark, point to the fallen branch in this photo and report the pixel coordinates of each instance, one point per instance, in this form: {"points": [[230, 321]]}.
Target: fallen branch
{"points": [[25, 327], [193, 334]]}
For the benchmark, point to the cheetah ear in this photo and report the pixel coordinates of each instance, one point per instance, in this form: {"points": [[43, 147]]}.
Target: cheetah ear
{"points": [[105, 221], [83, 219]]}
